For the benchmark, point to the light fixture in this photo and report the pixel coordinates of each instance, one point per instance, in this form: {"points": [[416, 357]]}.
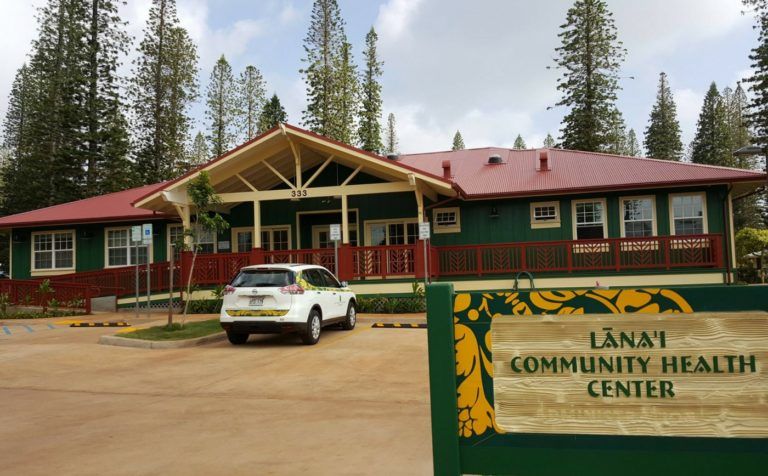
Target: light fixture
{"points": [[494, 212]]}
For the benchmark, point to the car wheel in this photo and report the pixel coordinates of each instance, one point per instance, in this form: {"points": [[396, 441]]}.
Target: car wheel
{"points": [[237, 338], [311, 334], [351, 320]]}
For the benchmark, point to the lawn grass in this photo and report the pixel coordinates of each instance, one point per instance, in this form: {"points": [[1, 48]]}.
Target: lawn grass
{"points": [[190, 330]]}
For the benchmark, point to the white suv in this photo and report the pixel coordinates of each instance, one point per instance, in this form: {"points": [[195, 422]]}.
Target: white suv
{"points": [[277, 298]]}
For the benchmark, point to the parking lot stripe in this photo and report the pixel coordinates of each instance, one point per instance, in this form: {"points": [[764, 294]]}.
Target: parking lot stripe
{"points": [[99, 324], [51, 326], [29, 329], [6, 330]]}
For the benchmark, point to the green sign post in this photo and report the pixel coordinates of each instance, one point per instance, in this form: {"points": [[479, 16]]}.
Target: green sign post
{"points": [[466, 437]]}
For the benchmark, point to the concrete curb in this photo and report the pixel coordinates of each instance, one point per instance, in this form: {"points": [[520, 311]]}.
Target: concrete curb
{"points": [[167, 344]]}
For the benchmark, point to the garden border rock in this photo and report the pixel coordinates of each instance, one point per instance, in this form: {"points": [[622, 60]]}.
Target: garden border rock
{"points": [[161, 344]]}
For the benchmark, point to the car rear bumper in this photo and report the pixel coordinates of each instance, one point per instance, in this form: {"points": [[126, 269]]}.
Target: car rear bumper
{"points": [[262, 327]]}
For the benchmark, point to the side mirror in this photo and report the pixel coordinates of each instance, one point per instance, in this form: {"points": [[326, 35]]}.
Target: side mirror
{"points": [[344, 284]]}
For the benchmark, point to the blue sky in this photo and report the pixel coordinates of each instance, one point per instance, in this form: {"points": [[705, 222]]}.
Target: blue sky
{"points": [[479, 66]]}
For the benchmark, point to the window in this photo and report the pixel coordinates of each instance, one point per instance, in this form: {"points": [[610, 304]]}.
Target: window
{"points": [[53, 251], [688, 214], [381, 233], [446, 220], [545, 214], [206, 241], [175, 239], [638, 218], [120, 250], [589, 223], [273, 238], [330, 280]]}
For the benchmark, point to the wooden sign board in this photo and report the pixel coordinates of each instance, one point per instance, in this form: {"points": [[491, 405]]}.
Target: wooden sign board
{"points": [[699, 375]]}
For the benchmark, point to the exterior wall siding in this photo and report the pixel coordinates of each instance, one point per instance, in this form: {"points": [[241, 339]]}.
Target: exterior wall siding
{"points": [[513, 223]]}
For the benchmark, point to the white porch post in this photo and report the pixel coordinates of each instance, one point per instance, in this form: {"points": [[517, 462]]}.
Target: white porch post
{"points": [[344, 220], [256, 224]]}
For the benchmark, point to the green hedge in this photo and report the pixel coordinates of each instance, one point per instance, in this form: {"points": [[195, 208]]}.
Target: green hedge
{"points": [[391, 305]]}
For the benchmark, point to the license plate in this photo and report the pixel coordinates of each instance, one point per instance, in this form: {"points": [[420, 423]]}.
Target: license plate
{"points": [[257, 301]]}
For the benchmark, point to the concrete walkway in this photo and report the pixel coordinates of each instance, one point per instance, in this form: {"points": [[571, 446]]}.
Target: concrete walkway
{"points": [[356, 403]]}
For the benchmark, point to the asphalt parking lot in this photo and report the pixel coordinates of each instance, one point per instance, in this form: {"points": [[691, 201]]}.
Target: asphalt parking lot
{"points": [[355, 403]]}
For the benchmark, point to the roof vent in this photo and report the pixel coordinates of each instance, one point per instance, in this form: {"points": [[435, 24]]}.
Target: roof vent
{"points": [[495, 159], [543, 161], [447, 169], [393, 156]]}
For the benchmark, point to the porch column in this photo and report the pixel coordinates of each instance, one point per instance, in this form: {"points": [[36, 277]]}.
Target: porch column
{"points": [[420, 258], [345, 271], [257, 254]]}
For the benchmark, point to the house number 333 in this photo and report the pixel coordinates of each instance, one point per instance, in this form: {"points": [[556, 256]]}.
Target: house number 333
{"points": [[298, 193]]}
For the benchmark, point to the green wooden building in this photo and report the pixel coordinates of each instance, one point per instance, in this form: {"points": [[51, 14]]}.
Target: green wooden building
{"points": [[568, 218]]}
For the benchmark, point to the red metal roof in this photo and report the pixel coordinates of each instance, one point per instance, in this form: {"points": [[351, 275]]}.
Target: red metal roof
{"points": [[105, 208], [570, 171]]}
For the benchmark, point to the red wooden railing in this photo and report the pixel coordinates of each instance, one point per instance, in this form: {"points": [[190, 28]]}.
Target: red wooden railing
{"points": [[217, 268], [122, 281], [617, 254], [67, 295], [383, 261], [614, 254], [321, 257]]}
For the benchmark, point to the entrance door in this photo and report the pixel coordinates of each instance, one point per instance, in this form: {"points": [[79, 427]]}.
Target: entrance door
{"points": [[321, 236]]}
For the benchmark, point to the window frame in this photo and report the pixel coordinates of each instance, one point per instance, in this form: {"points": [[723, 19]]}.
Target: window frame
{"points": [[705, 224], [654, 214], [271, 229], [52, 270], [574, 219], [168, 247], [131, 248], [555, 223], [386, 222], [455, 228]]}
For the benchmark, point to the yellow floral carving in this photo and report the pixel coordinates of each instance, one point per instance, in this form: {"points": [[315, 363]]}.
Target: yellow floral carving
{"points": [[475, 413]]}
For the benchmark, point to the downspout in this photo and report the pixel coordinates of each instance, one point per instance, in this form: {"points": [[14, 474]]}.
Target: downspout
{"points": [[726, 236]]}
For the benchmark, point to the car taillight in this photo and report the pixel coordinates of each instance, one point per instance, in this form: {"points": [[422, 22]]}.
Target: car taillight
{"points": [[292, 289], [229, 289]]}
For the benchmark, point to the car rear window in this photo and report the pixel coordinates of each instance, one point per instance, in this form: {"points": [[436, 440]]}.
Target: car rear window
{"points": [[263, 278]]}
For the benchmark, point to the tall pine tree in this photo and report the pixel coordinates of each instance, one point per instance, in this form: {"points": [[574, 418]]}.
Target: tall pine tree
{"points": [[590, 56], [616, 134], [662, 136], [632, 145], [251, 91], [323, 48], [163, 87], [549, 141], [17, 170], [222, 108], [391, 144], [758, 106], [272, 114], [458, 141], [712, 143], [519, 143], [346, 97], [369, 128], [106, 136]]}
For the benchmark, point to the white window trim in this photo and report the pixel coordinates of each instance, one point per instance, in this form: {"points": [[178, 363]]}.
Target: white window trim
{"points": [[589, 200], [270, 228], [318, 228], [449, 228], [536, 224], [168, 248], [652, 198], [130, 245], [52, 271], [703, 196], [367, 224]]}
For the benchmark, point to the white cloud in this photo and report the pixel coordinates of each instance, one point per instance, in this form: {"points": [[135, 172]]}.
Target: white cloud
{"points": [[395, 17], [19, 28], [289, 14]]}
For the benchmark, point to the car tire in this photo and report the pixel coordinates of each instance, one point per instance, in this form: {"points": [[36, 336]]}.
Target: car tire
{"points": [[351, 320], [314, 327], [237, 338]]}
